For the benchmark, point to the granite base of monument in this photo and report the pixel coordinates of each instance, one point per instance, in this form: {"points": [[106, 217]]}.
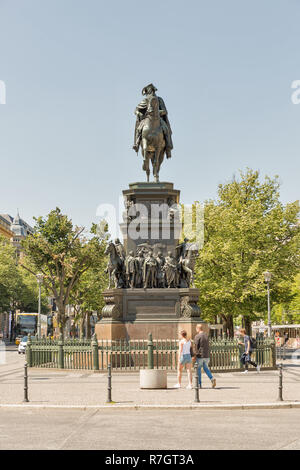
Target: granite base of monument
{"points": [[134, 313]]}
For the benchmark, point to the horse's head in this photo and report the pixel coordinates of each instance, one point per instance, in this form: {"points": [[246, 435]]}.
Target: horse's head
{"points": [[153, 106], [110, 248]]}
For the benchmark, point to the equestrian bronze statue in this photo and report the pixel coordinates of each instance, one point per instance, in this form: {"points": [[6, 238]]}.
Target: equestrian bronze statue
{"points": [[152, 131]]}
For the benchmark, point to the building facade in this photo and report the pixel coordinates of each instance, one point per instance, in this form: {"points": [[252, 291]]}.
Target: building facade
{"points": [[16, 229], [5, 228]]}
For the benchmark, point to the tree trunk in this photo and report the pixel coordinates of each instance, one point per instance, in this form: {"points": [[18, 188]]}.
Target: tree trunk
{"points": [[73, 328], [228, 325], [247, 324], [82, 325], [88, 325], [61, 320]]}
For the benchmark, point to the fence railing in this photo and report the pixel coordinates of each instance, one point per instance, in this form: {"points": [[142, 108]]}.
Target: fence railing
{"points": [[138, 354]]}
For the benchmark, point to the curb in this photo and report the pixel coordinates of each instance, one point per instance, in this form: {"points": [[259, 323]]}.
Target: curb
{"points": [[233, 406]]}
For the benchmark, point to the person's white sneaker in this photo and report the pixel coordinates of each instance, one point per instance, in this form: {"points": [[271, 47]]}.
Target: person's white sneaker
{"points": [[177, 386], [244, 372], [258, 368], [189, 387]]}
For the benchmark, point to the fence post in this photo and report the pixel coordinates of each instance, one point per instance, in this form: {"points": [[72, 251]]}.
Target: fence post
{"points": [[280, 398], [273, 351], [150, 352], [25, 384], [29, 351], [95, 352], [61, 352]]}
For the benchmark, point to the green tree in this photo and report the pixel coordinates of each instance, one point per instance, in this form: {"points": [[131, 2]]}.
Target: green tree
{"points": [[29, 299], [289, 311], [62, 253], [87, 296], [247, 231], [18, 289], [10, 278], [294, 306]]}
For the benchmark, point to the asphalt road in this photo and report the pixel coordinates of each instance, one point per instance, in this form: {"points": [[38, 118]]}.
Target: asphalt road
{"points": [[129, 430]]}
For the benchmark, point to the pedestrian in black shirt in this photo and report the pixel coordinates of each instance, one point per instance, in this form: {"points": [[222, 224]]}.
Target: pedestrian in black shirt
{"points": [[202, 352], [246, 356]]}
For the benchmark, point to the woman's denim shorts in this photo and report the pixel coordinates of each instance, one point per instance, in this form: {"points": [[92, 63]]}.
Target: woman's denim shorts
{"points": [[185, 359]]}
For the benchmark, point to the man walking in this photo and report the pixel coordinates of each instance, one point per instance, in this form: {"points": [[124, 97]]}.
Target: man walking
{"points": [[202, 353], [246, 356]]}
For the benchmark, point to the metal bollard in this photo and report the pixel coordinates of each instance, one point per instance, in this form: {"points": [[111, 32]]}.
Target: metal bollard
{"points": [[94, 344], [25, 384], [150, 352], [280, 398], [109, 400], [196, 380]]}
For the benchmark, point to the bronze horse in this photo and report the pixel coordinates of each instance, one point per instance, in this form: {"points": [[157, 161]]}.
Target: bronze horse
{"points": [[114, 266], [153, 141]]}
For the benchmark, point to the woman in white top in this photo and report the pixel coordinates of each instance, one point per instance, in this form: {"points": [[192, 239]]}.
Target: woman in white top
{"points": [[185, 358]]}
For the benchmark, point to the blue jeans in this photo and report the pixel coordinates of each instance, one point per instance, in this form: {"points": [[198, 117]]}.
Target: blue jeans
{"points": [[203, 362]]}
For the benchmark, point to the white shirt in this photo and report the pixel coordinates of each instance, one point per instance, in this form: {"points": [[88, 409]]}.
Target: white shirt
{"points": [[186, 347]]}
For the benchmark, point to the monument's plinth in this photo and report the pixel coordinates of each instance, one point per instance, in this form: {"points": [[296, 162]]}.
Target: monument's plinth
{"points": [[158, 221], [133, 313], [151, 224]]}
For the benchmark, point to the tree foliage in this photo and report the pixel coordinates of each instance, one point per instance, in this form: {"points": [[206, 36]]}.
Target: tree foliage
{"points": [[18, 288], [247, 231], [63, 254]]}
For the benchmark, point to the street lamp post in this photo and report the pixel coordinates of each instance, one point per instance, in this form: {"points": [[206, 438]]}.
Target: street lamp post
{"points": [[268, 276], [39, 278]]}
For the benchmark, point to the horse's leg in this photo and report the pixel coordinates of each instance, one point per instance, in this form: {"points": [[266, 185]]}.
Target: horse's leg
{"points": [[115, 278], [155, 166], [145, 158], [160, 160], [148, 169]]}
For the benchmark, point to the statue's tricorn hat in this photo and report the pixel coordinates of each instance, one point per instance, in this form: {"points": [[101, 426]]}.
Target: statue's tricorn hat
{"points": [[145, 88]]}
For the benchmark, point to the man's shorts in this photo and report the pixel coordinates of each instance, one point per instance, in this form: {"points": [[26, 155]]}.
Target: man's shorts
{"points": [[185, 359]]}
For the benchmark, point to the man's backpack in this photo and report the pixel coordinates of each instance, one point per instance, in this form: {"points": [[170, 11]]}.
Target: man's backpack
{"points": [[253, 342]]}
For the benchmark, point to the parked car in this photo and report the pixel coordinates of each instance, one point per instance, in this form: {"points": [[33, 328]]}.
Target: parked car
{"points": [[22, 345]]}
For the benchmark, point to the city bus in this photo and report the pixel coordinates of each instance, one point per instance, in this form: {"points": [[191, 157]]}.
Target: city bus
{"points": [[26, 323]]}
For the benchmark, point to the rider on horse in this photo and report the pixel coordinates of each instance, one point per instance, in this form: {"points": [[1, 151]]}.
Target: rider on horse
{"points": [[140, 111]]}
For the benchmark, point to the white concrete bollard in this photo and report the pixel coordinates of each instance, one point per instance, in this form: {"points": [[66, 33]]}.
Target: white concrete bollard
{"points": [[153, 378]]}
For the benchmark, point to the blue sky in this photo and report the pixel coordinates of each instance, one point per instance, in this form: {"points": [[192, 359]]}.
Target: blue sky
{"points": [[74, 71]]}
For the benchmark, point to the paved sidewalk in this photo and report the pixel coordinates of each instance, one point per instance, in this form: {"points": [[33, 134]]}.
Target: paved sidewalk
{"points": [[67, 410], [76, 388]]}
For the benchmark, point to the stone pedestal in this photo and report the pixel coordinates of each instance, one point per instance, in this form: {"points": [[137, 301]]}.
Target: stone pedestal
{"points": [[134, 313], [158, 220]]}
